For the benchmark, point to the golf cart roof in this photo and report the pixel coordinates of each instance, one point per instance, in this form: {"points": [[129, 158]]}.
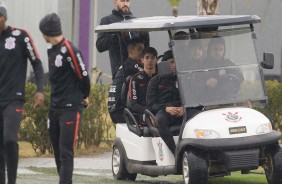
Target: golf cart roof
{"points": [[161, 23]]}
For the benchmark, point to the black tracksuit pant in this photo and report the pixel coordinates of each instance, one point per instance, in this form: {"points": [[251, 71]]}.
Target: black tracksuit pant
{"points": [[164, 121], [63, 130], [10, 119]]}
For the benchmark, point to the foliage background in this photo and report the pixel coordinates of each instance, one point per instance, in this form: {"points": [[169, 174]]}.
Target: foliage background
{"points": [[96, 125]]}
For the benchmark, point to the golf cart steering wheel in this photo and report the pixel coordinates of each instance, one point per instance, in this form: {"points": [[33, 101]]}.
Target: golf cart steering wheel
{"points": [[229, 85]]}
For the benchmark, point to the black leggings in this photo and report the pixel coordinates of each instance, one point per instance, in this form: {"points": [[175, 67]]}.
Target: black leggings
{"points": [[63, 130], [10, 119]]}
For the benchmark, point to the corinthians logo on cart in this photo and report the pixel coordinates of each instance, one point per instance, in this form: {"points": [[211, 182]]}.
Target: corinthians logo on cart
{"points": [[161, 153], [232, 117]]}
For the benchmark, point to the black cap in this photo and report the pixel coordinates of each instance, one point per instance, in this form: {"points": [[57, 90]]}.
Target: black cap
{"points": [[167, 55], [181, 35], [3, 9], [150, 50], [50, 25]]}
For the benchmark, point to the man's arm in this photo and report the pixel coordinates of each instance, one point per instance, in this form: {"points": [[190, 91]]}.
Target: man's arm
{"points": [[79, 69], [134, 94], [152, 96], [105, 40], [146, 37], [36, 63]]}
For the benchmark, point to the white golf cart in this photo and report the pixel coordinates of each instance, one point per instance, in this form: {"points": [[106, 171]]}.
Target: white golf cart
{"points": [[231, 133]]}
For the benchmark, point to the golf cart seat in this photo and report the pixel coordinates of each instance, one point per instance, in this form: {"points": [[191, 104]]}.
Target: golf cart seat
{"points": [[132, 123], [152, 125]]}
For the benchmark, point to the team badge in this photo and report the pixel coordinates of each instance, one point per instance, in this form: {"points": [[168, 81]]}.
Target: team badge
{"points": [[58, 61], [16, 33], [10, 43], [232, 117], [140, 77], [161, 153], [63, 50]]}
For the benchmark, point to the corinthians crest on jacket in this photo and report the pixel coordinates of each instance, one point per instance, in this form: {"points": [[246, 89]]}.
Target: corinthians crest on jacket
{"points": [[10, 43]]}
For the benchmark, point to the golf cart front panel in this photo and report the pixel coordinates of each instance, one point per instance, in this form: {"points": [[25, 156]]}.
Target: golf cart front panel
{"points": [[227, 123]]}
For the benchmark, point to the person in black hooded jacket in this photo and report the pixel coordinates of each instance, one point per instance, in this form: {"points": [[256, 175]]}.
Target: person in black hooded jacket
{"points": [[163, 99], [132, 65], [109, 41], [218, 84]]}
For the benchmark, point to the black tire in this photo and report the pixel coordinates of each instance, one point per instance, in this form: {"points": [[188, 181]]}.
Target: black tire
{"points": [[195, 168], [118, 166], [273, 165]]}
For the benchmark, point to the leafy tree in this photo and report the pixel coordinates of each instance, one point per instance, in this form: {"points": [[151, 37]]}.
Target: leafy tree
{"points": [[274, 90], [94, 127]]}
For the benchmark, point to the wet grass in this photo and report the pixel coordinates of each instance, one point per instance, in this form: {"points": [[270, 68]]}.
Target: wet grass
{"points": [[26, 150], [49, 175]]}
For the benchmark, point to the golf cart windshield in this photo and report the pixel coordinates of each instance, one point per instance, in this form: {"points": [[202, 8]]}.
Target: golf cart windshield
{"points": [[218, 67]]}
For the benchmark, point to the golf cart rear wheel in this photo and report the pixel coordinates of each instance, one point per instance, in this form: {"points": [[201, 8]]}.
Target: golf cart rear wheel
{"points": [[195, 168], [118, 166], [273, 165]]}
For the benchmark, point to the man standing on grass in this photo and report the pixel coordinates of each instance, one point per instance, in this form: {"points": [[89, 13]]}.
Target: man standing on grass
{"points": [[16, 47], [70, 88]]}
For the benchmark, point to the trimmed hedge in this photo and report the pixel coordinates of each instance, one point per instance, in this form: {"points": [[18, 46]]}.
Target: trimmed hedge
{"points": [[94, 127]]}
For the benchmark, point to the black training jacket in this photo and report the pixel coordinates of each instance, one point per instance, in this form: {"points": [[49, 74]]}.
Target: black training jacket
{"points": [[114, 101], [68, 75], [16, 47], [163, 92], [109, 41], [137, 92]]}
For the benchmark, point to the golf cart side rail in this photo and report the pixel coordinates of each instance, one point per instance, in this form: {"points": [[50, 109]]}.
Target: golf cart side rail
{"points": [[231, 143], [162, 23]]}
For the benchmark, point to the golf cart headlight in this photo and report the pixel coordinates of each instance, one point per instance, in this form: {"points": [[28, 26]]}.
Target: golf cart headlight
{"points": [[265, 128], [206, 134]]}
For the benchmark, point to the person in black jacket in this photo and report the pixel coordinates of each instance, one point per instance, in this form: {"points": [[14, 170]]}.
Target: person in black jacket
{"points": [[139, 82], [109, 41], [16, 47], [163, 99], [132, 66], [218, 84], [70, 88]]}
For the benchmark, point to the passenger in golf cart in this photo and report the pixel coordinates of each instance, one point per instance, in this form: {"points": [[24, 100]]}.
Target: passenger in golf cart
{"points": [[139, 82], [163, 100], [215, 84], [131, 66]]}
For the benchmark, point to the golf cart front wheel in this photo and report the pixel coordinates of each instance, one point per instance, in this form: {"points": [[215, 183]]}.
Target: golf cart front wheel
{"points": [[118, 166], [195, 168], [273, 165]]}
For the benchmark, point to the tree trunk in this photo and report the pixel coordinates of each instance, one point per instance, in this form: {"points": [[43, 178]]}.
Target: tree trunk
{"points": [[208, 7]]}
